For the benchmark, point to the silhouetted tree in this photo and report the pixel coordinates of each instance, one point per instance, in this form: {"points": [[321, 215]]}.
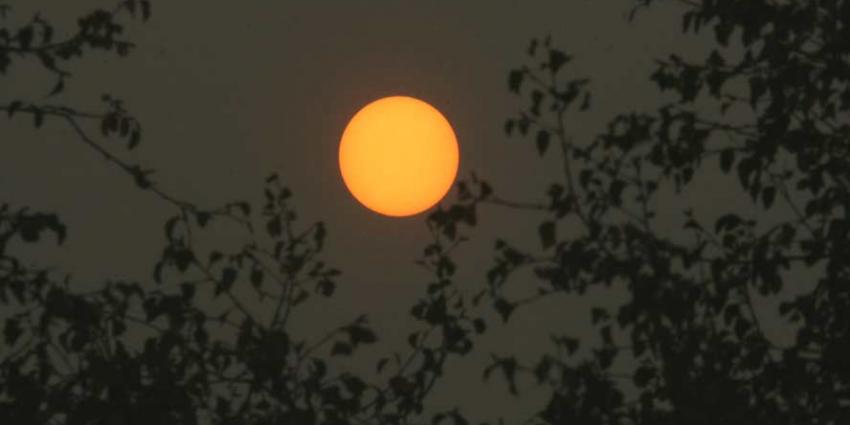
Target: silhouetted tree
{"points": [[185, 348], [767, 106]]}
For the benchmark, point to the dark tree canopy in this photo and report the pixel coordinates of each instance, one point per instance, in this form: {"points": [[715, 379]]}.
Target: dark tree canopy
{"points": [[183, 348], [769, 107], [765, 112]]}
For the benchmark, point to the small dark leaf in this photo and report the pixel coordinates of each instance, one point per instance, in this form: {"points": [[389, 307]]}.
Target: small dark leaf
{"points": [[381, 364], [509, 126], [135, 137], [585, 103], [768, 195], [536, 100], [326, 287], [542, 141], [274, 226], [504, 308], [557, 59], [183, 258], [59, 87], [187, 290], [12, 331], [38, 117], [361, 335], [486, 190], [547, 233], [108, 124], [146, 9], [515, 80], [616, 191], [14, 106], [256, 277], [319, 235], [215, 256], [341, 348], [643, 375], [479, 325], [25, 36], [203, 218], [228, 276], [727, 158]]}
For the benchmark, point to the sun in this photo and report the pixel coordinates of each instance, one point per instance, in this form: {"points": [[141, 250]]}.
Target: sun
{"points": [[398, 156]]}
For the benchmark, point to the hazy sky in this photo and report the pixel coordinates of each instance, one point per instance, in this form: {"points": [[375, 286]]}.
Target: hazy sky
{"points": [[229, 92]]}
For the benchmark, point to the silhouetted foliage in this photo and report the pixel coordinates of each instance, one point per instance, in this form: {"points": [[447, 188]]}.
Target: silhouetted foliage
{"points": [[184, 348], [767, 106]]}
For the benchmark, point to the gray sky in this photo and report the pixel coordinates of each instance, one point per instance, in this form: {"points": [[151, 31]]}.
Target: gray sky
{"points": [[228, 94]]}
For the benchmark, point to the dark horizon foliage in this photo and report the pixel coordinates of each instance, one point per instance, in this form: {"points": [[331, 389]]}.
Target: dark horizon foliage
{"points": [[768, 106]]}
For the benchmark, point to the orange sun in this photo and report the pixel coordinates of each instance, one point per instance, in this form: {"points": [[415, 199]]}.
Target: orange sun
{"points": [[398, 156]]}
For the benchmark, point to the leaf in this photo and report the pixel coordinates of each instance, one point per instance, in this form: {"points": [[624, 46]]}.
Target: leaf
{"points": [[767, 196], [187, 291], [381, 364], [108, 124], [203, 218], [616, 191], [274, 226], [60, 85], [353, 384], [515, 80], [727, 222], [486, 190], [326, 287], [504, 308], [12, 331], [509, 368], [536, 100], [745, 169], [135, 137], [479, 325], [38, 117], [686, 21], [598, 314], [557, 59], [228, 276], [319, 235], [25, 36], [157, 272], [727, 158], [509, 126], [523, 124], [643, 375], [124, 126], [341, 348], [183, 258], [542, 141], [215, 256], [31, 226], [547, 233], [585, 103], [757, 89], [402, 386], [169, 227], [361, 335], [14, 106], [123, 48], [256, 277], [146, 9]]}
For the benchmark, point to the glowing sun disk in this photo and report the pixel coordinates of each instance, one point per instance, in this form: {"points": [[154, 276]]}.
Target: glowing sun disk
{"points": [[398, 156]]}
